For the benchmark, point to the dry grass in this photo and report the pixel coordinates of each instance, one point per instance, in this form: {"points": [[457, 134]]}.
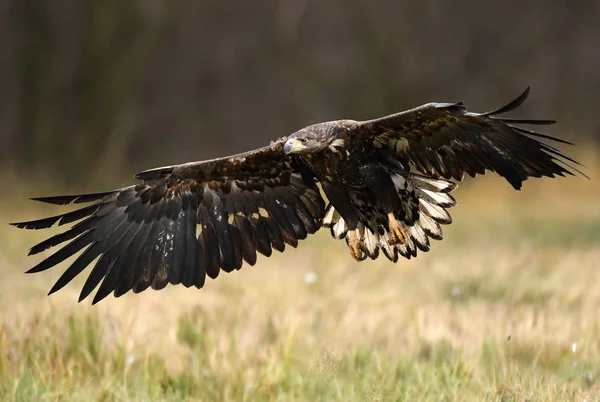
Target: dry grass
{"points": [[506, 308]]}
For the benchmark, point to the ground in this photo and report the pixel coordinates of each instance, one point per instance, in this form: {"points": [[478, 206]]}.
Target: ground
{"points": [[505, 308]]}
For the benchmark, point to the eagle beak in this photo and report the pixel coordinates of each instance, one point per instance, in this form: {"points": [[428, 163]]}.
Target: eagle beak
{"points": [[292, 146]]}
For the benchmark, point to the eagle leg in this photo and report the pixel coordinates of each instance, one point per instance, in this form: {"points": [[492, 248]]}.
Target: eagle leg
{"points": [[358, 249], [397, 235]]}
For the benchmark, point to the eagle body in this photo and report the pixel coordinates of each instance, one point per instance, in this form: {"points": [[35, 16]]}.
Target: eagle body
{"points": [[352, 170], [383, 185]]}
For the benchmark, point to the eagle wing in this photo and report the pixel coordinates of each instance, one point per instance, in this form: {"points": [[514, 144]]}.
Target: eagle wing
{"points": [[443, 140], [184, 222]]}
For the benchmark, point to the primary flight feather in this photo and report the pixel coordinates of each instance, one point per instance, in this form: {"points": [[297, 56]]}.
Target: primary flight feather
{"points": [[387, 182]]}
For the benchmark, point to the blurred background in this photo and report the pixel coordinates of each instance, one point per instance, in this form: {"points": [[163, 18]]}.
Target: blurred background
{"points": [[505, 308], [91, 89]]}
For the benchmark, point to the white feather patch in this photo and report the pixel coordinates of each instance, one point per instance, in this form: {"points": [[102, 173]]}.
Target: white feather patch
{"points": [[431, 227], [419, 236], [436, 212], [339, 229], [401, 144], [371, 241], [442, 199], [436, 185], [399, 181], [328, 220]]}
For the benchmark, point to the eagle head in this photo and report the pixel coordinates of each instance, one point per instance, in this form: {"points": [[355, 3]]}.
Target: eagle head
{"points": [[312, 139]]}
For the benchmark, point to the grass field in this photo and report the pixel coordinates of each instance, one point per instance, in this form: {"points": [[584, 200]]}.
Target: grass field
{"points": [[506, 308]]}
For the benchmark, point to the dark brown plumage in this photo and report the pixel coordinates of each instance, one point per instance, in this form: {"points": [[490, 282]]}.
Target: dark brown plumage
{"points": [[386, 180]]}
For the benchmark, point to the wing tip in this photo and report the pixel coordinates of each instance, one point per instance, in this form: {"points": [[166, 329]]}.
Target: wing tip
{"points": [[55, 200], [55, 288], [36, 224], [34, 251], [518, 101], [81, 297], [77, 198], [20, 225], [34, 270]]}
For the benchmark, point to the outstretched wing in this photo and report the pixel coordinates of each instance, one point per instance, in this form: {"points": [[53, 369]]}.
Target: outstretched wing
{"points": [[444, 140], [184, 222]]}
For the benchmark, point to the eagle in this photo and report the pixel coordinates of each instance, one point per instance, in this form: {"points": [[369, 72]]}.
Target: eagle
{"points": [[382, 185]]}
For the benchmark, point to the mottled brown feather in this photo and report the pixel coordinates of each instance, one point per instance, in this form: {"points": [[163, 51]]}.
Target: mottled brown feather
{"points": [[185, 222], [444, 140], [156, 221]]}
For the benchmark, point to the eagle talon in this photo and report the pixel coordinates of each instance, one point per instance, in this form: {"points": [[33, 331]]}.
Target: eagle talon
{"points": [[397, 235], [358, 249]]}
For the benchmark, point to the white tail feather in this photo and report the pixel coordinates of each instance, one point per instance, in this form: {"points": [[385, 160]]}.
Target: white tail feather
{"points": [[372, 242], [419, 236], [431, 227], [330, 217], [433, 200], [437, 185], [438, 213], [339, 229], [442, 199]]}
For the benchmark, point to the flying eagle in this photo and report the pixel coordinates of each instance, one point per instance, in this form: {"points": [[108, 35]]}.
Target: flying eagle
{"points": [[386, 185]]}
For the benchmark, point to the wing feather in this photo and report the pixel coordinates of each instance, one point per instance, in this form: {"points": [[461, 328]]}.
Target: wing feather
{"points": [[146, 235], [247, 239], [443, 140], [131, 270], [146, 266], [263, 239]]}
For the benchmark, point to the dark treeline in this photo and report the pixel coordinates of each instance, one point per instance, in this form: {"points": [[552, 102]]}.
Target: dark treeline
{"points": [[95, 88]]}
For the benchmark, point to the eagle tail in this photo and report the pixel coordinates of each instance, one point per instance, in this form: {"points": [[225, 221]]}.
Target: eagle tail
{"points": [[434, 197]]}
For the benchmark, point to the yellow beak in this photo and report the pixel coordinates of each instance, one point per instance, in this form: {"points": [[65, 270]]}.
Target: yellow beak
{"points": [[293, 145]]}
